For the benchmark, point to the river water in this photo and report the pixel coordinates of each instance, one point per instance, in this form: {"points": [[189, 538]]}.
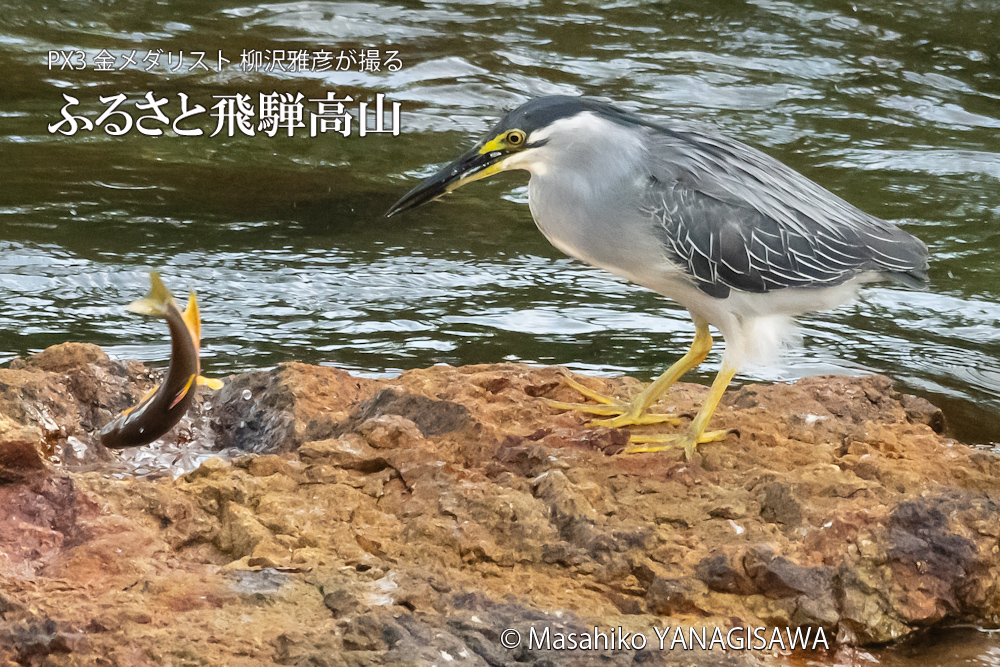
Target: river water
{"points": [[893, 105]]}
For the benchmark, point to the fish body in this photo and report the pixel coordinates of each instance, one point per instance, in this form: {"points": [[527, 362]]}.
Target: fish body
{"points": [[163, 407]]}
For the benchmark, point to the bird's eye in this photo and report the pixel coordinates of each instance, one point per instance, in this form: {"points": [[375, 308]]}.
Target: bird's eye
{"points": [[515, 137]]}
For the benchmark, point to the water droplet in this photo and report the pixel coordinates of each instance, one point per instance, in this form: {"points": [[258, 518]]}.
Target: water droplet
{"points": [[246, 394]]}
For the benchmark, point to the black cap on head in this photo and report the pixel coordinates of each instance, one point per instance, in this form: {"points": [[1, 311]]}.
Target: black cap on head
{"points": [[543, 111]]}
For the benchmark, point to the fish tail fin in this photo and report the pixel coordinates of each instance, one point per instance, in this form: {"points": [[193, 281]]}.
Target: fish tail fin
{"points": [[192, 318], [211, 383], [156, 300]]}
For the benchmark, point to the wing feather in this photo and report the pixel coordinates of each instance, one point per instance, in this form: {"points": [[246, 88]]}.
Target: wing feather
{"points": [[736, 218]]}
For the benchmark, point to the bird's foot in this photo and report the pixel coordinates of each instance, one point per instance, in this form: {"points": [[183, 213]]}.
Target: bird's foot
{"points": [[660, 442], [623, 413], [632, 417]]}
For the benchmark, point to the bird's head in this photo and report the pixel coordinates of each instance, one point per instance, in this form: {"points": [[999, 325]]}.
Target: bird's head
{"points": [[517, 142]]}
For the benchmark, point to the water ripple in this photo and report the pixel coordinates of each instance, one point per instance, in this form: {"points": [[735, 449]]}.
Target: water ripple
{"points": [[894, 107]]}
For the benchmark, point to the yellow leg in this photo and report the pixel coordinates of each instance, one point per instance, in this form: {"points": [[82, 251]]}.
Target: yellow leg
{"points": [[634, 413], [695, 433]]}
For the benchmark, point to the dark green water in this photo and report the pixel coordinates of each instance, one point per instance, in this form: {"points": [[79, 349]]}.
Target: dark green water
{"points": [[893, 105]]}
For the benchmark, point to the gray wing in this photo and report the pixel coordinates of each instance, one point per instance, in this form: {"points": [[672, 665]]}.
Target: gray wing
{"points": [[736, 218]]}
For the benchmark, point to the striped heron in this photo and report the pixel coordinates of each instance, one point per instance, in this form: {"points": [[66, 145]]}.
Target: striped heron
{"points": [[740, 240]]}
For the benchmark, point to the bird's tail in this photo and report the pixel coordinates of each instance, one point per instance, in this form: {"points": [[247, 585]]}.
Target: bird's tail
{"points": [[899, 256]]}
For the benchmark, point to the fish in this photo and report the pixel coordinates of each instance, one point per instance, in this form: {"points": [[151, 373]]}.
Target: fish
{"points": [[164, 405]]}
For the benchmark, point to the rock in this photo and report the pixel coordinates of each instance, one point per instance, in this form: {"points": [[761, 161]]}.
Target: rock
{"points": [[724, 574], [415, 520], [68, 392], [390, 432], [431, 416], [276, 411], [779, 505], [351, 452], [676, 597], [921, 411], [34, 641], [924, 551], [341, 602], [733, 509], [21, 451], [44, 518], [98, 387], [67, 358]]}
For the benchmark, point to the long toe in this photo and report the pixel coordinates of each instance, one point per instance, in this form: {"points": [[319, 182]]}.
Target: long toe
{"points": [[588, 392], [623, 413], [608, 406], [660, 442], [589, 408], [657, 442], [632, 418]]}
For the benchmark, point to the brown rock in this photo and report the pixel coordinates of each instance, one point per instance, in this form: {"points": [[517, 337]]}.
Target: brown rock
{"points": [[723, 573], [401, 521], [780, 506], [431, 416], [340, 601], [676, 597], [921, 411], [21, 450], [349, 451], [390, 432], [276, 411], [68, 358]]}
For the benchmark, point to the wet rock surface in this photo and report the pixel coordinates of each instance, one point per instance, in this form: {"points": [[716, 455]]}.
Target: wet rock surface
{"points": [[414, 520]]}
